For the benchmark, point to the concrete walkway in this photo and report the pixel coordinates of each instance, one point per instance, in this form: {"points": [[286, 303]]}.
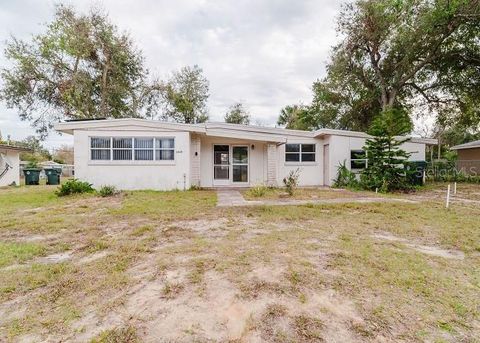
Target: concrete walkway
{"points": [[232, 197]]}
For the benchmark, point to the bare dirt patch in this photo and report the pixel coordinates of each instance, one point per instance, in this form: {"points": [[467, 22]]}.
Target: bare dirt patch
{"points": [[425, 249]]}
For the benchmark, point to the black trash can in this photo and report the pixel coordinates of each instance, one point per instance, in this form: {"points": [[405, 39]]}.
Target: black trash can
{"points": [[32, 176], [53, 176], [416, 172]]}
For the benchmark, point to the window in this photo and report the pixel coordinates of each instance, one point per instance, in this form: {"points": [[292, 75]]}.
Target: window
{"points": [[144, 149], [128, 149], [358, 159], [300, 153], [100, 148], [122, 149], [164, 149]]}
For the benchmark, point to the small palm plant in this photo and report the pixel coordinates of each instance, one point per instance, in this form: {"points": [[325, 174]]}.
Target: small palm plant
{"points": [[291, 181]]}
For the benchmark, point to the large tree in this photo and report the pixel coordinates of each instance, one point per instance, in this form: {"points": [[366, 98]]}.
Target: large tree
{"points": [[185, 96], [80, 67], [401, 54], [237, 114], [293, 117]]}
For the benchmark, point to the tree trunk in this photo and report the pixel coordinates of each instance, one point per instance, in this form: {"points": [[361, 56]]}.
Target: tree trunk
{"points": [[439, 147], [104, 92]]}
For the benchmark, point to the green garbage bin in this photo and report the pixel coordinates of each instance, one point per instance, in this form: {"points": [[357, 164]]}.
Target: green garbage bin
{"points": [[415, 172], [53, 176], [32, 176]]}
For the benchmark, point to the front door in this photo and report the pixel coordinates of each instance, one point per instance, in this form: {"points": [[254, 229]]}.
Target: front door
{"points": [[326, 165], [230, 165], [221, 165], [240, 164]]}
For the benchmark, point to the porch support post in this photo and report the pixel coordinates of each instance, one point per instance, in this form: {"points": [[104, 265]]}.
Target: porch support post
{"points": [[271, 165], [195, 161]]}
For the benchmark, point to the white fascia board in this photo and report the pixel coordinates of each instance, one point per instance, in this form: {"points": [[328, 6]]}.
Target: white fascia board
{"points": [[69, 127], [332, 132], [248, 136], [427, 141], [459, 147], [258, 129], [359, 134]]}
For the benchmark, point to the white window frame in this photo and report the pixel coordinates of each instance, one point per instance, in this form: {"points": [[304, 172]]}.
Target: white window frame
{"points": [[132, 161], [358, 159], [105, 149], [155, 149], [123, 149], [152, 149], [300, 153]]}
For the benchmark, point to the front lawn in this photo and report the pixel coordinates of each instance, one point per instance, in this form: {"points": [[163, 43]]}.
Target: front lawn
{"points": [[304, 193], [171, 266]]}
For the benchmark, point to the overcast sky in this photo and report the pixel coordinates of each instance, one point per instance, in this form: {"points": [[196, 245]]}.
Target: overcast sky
{"points": [[264, 53]]}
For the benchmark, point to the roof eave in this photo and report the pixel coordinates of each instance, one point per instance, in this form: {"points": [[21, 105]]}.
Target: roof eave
{"points": [[14, 148], [459, 147], [70, 127]]}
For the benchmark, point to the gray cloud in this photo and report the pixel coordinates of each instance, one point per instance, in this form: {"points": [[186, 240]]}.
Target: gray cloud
{"points": [[264, 53]]}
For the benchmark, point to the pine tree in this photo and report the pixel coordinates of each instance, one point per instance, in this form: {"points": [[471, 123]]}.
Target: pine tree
{"points": [[386, 160]]}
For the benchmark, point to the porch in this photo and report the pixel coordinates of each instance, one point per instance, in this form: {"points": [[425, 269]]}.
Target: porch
{"points": [[226, 162]]}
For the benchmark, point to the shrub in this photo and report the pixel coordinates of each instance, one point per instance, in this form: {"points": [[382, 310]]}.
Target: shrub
{"points": [[32, 164], [74, 186], [291, 181], [196, 188], [345, 178], [107, 191], [258, 191]]}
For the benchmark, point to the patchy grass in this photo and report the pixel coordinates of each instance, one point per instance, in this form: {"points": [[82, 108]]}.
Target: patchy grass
{"points": [[26, 197], [303, 193], [167, 206], [172, 290], [17, 252], [118, 335], [172, 265], [142, 230]]}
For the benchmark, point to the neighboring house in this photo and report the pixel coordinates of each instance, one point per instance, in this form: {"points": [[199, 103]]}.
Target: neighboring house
{"points": [[10, 164], [145, 154], [67, 169], [468, 160]]}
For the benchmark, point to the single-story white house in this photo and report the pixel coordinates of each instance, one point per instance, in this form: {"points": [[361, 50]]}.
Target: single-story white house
{"points": [[10, 164], [145, 154]]}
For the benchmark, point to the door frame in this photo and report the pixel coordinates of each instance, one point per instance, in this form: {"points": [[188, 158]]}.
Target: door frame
{"points": [[240, 164], [230, 182], [221, 182], [326, 164]]}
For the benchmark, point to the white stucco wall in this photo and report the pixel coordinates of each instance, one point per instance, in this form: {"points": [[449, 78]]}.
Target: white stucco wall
{"points": [[13, 174], [311, 173], [178, 174], [133, 175], [340, 147]]}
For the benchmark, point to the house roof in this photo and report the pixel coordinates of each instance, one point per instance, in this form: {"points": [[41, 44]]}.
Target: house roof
{"points": [[14, 148], [272, 134], [469, 145]]}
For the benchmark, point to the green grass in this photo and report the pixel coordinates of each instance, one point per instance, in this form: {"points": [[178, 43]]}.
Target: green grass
{"points": [[26, 197], [166, 205], [13, 252]]}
